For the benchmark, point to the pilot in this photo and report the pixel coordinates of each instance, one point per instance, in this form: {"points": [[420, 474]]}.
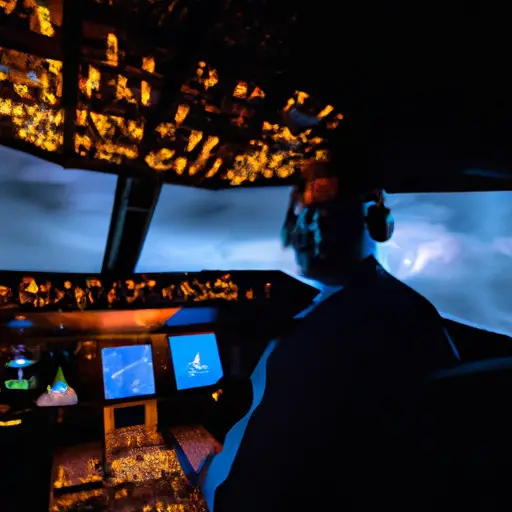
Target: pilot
{"points": [[332, 421]]}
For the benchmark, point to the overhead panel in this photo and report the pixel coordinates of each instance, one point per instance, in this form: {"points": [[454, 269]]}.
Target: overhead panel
{"points": [[153, 87]]}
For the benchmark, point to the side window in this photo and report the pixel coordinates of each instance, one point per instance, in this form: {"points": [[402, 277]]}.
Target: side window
{"points": [[456, 250]]}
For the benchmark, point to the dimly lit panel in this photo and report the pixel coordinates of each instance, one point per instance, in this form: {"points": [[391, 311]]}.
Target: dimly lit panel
{"points": [[52, 220], [239, 229], [456, 250]]}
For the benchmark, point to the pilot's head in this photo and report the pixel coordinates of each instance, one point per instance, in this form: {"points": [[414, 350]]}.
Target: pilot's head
{"points": [[332, 224]]}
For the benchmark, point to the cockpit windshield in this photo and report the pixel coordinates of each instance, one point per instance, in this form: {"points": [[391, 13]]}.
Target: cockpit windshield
{"points": [[52, 219], [456, 250], [196, 229]]}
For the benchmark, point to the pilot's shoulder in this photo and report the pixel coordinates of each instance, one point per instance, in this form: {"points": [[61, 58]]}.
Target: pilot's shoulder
{"points": [[410, 298], [416, 310]]}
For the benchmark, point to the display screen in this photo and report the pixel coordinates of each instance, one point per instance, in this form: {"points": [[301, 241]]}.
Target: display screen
{"points": [[194, 229], [54, 219], [127, 371], [196, 360], [456, 250]]}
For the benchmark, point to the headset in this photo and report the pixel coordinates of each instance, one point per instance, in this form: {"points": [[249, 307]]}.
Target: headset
{"points": [[379, 220]]}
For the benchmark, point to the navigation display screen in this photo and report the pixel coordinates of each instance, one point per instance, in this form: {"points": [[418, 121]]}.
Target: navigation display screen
{"points": [[196, 360], [127, 371]]}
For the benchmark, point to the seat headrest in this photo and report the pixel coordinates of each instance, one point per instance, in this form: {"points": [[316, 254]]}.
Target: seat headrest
{"points": [[474, 368]]}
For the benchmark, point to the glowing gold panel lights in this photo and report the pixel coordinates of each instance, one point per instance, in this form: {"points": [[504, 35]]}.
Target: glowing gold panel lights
{"points": [[34, 90]]}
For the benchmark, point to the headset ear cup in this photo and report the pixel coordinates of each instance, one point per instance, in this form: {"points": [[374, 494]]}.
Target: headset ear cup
{"points": [[380, 223]]}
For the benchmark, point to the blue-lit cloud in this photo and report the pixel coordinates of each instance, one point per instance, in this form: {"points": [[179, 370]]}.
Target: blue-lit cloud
{"points": [[230, 229], [52, 219], [456, 249]]}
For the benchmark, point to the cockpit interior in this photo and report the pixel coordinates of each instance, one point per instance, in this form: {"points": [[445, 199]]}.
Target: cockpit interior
{"points": [[148, 150]]}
